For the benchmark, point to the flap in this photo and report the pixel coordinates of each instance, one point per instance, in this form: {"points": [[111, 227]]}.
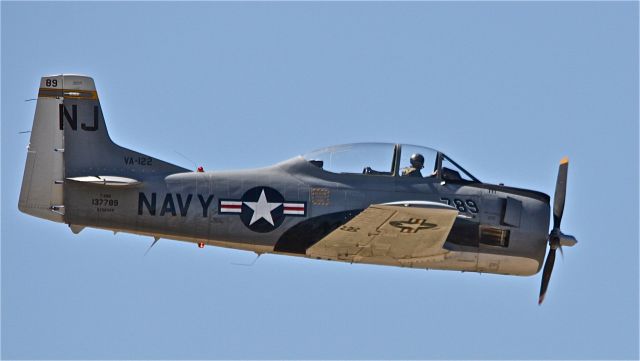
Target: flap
{"points": [[106, 180], [389, 233]]}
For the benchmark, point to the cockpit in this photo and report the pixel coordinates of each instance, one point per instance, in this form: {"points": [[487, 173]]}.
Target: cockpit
{"points": [[386, 159]]}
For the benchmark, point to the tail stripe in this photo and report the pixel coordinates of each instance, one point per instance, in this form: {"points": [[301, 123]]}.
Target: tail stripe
{"points": [[68, 93]]}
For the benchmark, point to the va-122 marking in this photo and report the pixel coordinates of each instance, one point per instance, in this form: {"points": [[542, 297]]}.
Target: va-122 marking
{"points": [[144, 161]]}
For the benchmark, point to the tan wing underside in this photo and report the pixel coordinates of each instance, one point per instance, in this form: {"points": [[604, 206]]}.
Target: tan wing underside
{"points": [[392, 234]]}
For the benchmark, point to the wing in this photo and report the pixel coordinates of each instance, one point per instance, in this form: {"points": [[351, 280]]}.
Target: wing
{"points": [[397, 233]]}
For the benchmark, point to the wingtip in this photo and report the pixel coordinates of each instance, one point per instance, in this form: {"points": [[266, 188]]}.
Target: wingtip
{"points": [[564, 160], [540, 299]]}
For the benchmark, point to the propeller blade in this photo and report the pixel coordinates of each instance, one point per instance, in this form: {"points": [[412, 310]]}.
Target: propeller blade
{"points": [[546, 273], [561, 191]]}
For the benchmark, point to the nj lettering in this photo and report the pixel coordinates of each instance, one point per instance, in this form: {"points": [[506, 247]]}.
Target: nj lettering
{"points": [[72, 118]]}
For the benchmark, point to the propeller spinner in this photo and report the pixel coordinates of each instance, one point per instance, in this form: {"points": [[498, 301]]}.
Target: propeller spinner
{"points": [[557, 239]]}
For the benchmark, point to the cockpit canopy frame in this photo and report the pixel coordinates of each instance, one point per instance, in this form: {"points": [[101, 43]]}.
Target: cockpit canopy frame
{"points": [[388, 159]]}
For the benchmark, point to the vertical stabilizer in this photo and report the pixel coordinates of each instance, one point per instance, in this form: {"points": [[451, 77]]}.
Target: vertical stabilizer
{"points": [[69, 139]]}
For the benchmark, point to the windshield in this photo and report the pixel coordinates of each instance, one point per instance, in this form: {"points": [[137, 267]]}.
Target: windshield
{"points": [[451, 171], [360, 158]]}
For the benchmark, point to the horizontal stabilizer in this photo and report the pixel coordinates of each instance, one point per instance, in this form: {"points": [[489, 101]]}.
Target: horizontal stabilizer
{"points": [[106, 180]]}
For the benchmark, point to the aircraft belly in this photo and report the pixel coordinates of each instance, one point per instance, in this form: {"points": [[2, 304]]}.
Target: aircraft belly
{"points": [[504, 264], [456, 261]]}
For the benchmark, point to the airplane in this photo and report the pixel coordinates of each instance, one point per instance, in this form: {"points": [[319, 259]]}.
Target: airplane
{"points": [[375, 203]]}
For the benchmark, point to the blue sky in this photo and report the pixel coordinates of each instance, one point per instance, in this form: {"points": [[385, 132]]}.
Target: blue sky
{"points": [[506, 89]]}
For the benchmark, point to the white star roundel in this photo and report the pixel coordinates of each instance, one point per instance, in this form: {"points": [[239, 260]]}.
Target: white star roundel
{"points": [[262, 209]]}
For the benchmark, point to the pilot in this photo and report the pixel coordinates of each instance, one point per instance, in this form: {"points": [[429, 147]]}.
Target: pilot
{"points": [[417, 163]]}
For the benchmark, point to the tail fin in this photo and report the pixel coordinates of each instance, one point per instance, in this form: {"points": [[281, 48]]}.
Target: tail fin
{"points": [[69, 139]]}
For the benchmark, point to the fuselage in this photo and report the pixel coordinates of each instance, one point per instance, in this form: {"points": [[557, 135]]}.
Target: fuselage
{"points": [[498, 229]]}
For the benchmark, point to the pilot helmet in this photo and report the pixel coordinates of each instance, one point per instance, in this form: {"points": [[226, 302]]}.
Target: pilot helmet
{"points": [[417, 161]]}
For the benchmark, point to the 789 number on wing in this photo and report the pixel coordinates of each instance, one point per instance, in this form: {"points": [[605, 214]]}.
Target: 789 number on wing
{"points": [[466, 205]]}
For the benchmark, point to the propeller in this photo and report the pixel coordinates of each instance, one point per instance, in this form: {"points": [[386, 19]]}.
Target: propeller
{"points": [[557, 239]]}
